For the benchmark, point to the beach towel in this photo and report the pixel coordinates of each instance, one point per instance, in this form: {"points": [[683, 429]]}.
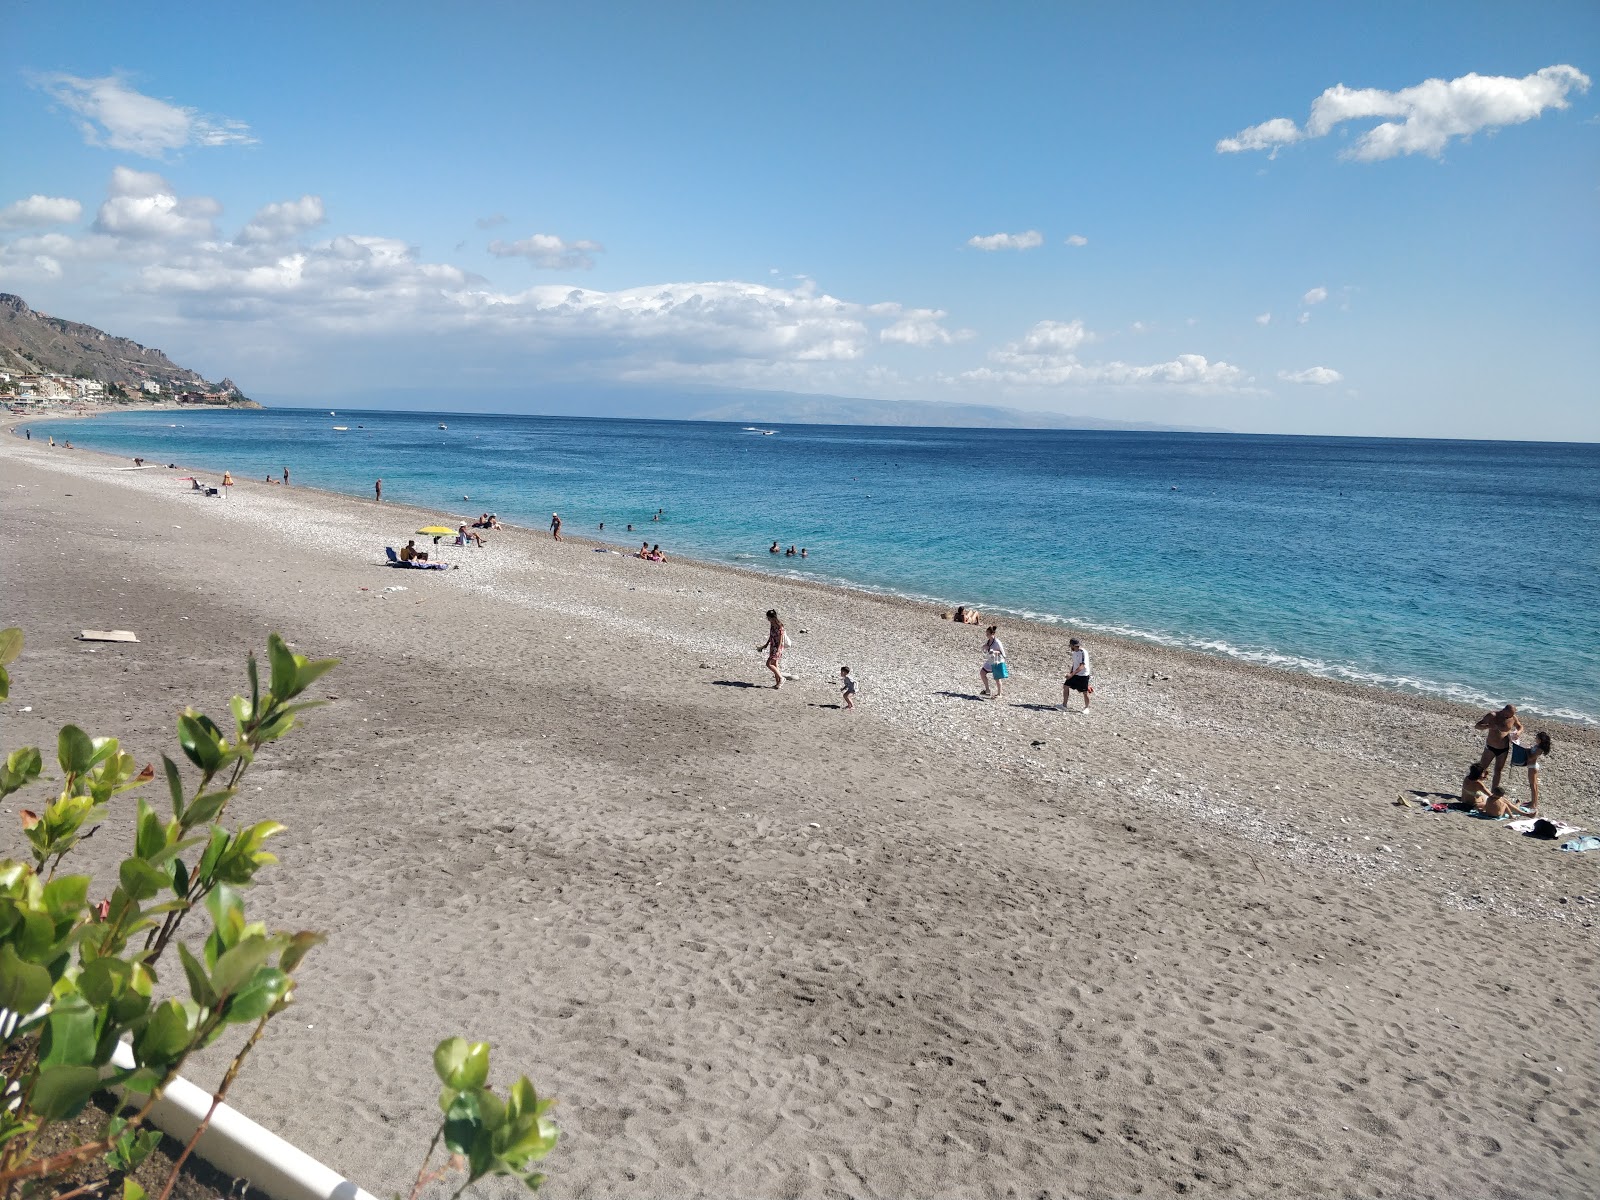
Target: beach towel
{"points": [[1527, 823], [1584, 843]]}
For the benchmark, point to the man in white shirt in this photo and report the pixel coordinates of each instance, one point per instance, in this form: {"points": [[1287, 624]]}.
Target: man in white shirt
{"points": [[1077, 677]]}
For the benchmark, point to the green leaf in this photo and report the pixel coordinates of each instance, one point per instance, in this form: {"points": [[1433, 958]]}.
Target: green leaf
{"points": [[174, 784], [227, 914], [255, 681], [474, 1069], [69, 1033], [201, 741], [147, 1142], [256, 997], [299, 946], [61, 1092], [448, 1056], [5, 684], [149, 834], [74, 750], [10, 645], [205, 809], [21, 768], [139, 879], [237, 965], [462, 1124], [199, 983], [66, 896], [23, 985], [309, 672], [165, 1036], [284, 669]]}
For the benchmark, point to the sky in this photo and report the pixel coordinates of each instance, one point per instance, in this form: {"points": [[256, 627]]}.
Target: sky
{"points": [[1364, 219]]}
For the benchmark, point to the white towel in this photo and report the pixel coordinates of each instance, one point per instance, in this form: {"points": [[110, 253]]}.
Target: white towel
{"points": [[1526, 826]]}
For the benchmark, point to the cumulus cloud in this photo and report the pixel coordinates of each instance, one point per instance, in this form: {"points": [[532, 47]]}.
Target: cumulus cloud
{"points": [[1264, 318], [920, 327], [37, 211], [284, 220], [1321, 376], [550, 252], [109, 113], [141, 204], [1008, 241], [1423, 119], [1077, 239], [1315, 296], [1047, 357]]}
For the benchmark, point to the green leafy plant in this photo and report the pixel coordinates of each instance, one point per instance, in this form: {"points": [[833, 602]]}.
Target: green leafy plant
{"points": [[79, 978]]}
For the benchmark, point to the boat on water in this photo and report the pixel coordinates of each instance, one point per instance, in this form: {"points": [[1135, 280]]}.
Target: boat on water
{"points": [[762, 432], [442, 425], [341, 428]]}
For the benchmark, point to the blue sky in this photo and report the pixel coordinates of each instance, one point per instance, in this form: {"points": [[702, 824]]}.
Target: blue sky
{"points": [[1359, 219]]}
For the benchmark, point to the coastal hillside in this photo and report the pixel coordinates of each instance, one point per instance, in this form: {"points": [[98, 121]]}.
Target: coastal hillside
{"points": [[36, 350]]}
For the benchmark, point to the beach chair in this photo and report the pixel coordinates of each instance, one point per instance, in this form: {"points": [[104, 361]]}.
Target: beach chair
{"points": [[395, 560]]}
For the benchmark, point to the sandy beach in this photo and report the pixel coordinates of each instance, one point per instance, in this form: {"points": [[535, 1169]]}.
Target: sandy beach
{"points": [[1187, 944]]}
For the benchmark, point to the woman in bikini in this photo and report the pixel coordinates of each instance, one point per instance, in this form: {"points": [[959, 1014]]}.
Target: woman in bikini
{"points": [[1530, 757], [774, 645], [1473, 790]]}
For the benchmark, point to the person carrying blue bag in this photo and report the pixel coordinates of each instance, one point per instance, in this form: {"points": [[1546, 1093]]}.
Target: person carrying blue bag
{"points": [[994, 662]]}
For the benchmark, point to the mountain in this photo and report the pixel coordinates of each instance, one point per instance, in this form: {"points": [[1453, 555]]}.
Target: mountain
{"points": [[707, 404], [32, 343]]}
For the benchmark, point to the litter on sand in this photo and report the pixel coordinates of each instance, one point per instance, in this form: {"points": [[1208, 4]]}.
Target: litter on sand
{"points": [[108, 635]]}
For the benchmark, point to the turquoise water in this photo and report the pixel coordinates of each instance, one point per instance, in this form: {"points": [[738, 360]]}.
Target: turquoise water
{"points": [[1469, 570]]}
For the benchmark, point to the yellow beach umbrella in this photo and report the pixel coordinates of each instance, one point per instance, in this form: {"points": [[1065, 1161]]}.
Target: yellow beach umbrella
{"points": [[436, 531]]}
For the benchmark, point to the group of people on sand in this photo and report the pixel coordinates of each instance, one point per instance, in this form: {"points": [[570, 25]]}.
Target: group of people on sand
{"points": [[791, 552], [1504, 746], [650, 553], [993, 672]]}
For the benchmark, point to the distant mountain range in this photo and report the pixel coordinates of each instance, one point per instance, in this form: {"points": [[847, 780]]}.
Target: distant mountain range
{"points": [[673, 404], [33, 343]]}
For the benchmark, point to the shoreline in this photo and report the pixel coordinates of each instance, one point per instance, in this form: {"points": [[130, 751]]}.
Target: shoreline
{"points": [[1570, 724], [760, 946]]}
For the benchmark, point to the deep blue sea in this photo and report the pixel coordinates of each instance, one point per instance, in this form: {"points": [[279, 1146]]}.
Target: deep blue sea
{"points": [[1469, 570]]}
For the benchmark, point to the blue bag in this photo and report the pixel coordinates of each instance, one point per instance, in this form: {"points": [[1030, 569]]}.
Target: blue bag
{"points": [[1000, 671]]}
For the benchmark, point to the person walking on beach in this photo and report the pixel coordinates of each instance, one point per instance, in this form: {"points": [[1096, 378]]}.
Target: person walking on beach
{"points": [[994, 662], [377, 490], [227, 484], [29, 432], [777, 642], [847, 687], [555, 526], [286, 476], [1500, 728], [1077, 677]]}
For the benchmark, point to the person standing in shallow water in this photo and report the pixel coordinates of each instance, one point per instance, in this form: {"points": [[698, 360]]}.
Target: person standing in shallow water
{"points": [[555, 526], [377, 491], [777, 641], [286, 475]]}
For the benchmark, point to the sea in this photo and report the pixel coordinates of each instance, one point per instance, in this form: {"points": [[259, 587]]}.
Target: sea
{"points": [[1468, 570]]}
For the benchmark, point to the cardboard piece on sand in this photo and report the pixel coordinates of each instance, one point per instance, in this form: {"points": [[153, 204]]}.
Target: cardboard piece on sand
{"points": [[108, 635]]}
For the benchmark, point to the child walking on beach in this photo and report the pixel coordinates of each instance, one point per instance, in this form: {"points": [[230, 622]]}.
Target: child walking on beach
{"points": [[847, 687], [994, 662], [777, 642]]}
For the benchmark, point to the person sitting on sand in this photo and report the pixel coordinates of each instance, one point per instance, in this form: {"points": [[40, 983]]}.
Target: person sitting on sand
{"points": [[1500, 729], [656, 555], [643, 551], [410, 553], [1473, 791], [1530, 757], [465, 536], [1498, 805], [494, 521]]}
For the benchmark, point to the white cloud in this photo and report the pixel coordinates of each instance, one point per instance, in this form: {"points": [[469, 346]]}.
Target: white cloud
{"points": [[1047, 357], [1077, 239], [141, 204], [1303, 318], [37, 210], [548, 251], [1321, 376], [491, 221], [1008, 241], [1315, 296], [111, 114], [1264, 318], [1428, 117], [920, 327], [284, 221]]}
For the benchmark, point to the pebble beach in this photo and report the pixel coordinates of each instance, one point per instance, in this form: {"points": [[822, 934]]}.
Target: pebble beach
{"points": [[1208, 939]]}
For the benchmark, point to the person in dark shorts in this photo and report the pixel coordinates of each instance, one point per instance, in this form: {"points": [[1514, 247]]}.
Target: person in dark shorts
{"points": [[1500, 731], [1077, 677]]}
